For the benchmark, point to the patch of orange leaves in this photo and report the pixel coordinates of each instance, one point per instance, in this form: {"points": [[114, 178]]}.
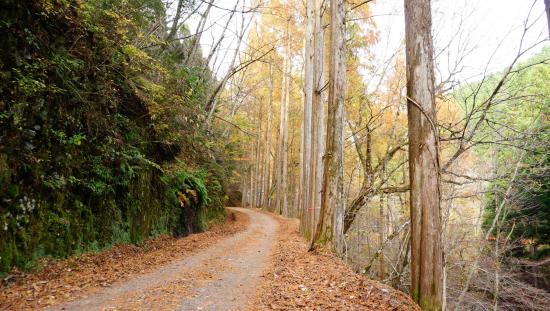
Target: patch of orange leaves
{"points": [[302, 280]]}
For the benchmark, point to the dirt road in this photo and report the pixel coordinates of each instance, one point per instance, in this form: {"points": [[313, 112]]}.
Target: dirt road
{"points": [[222, 277]]}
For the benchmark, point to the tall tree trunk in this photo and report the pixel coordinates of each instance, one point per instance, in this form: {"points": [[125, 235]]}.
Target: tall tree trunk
{"points": [[318, 116], [176, 20], [382, 236], [216, 46], [198, 33], [330, 226], [288, 73], [257, 166], [266, 185], [245, 189], [426, 249], [547, 7], [282, 159], [306, 160], [251, 184], [302, 212], [279, 160]]}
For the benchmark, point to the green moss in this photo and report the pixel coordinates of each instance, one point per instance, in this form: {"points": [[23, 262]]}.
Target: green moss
{"points": [[92, 132]]}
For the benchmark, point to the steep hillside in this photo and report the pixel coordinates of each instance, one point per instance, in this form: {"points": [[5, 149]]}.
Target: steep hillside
{"points": [[99, 128]]}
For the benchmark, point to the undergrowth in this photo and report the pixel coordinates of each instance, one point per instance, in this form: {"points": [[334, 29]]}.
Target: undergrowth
{"points": [[98, 133]]}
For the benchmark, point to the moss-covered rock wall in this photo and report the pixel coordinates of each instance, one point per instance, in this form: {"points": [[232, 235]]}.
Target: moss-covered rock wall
{"points": [[96, 132]]}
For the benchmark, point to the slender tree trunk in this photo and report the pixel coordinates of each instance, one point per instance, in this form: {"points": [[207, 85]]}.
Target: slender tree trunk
{"points": [[318, 117], [216, 46], [243, 189], [282, 159], [330, 226], [266, 185], [258, 169], [288, 73], [211, 101], [198, 33], [426, 249], [382, 236], [251, 184], [399, 264], [497, 269], [296, 181], [302, 213], [279, 155], [306, 161], [279, 162], [175, 24], [547, 7], [254, 163], [275, 171]]}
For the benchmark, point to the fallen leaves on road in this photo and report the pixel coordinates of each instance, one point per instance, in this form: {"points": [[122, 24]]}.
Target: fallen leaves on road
{"points": [[301, 280], [66, 280]]}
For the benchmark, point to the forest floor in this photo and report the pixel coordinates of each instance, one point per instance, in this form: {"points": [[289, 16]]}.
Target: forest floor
{"points": [[254, 261], [300, 280]]}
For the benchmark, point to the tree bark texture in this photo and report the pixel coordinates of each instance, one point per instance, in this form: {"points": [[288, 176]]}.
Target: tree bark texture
{"points": [[426, 248], [330, 226], [282, 161], [318, 116]]}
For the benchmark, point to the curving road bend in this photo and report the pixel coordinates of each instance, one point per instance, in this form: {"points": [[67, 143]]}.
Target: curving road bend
{"points": [[221, 277]]}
